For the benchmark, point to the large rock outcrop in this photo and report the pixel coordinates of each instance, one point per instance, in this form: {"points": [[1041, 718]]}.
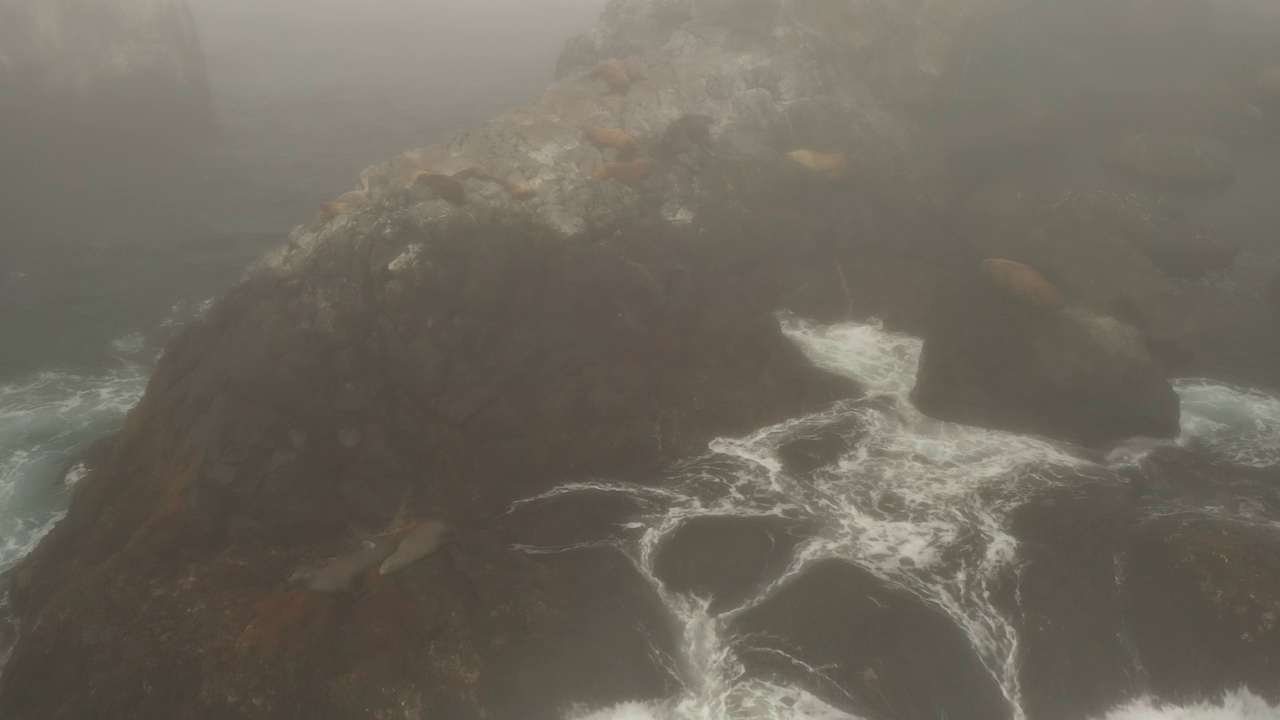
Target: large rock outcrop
{"points": [[116, 69], [430, 361], [993, 361], [486, 318]]}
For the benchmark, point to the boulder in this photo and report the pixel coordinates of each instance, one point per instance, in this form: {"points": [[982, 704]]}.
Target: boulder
{"points": [[991, 361], [1113, 253]]}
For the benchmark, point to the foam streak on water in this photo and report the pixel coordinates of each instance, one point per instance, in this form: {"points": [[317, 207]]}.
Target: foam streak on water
{"points": [[46, 421], [1238, 705], [922, 504]]}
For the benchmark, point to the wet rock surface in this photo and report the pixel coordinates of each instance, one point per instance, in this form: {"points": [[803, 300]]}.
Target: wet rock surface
{"points": [[481, 321], [1205, 606], [1077, 654], [882, 652], [993, 361], [723, 559]]}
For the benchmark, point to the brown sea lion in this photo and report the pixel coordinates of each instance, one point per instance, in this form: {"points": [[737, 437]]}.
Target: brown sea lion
{"points": [[608, 138], [614, 74], [421, 541], [475, 171], [444, 186], [345, 202], [1023, 283], [684, 134], [832, 166], [331, 209], [627, 172], [341, 573]]}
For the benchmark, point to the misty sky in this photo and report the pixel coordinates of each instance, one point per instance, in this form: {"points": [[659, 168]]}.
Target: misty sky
{"points": [[291, 40]]}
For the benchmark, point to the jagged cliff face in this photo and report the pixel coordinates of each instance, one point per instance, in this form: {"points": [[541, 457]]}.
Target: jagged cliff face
{"points": [[104, 64]]}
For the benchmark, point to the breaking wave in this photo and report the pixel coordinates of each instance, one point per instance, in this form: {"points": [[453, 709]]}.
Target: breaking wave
{"points": [[1237, 705], [928, 515]]}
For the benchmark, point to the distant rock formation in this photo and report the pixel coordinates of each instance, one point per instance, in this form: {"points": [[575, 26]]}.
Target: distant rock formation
{"points": [[108, 69]]}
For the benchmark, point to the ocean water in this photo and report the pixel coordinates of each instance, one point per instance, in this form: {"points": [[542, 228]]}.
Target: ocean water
{"points": [[946, 542]]}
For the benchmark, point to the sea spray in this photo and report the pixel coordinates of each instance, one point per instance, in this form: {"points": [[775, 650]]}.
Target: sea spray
{"points": [[946, 541]]}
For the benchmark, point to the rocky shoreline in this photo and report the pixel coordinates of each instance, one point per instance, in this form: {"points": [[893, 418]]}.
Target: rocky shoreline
{"points": [[484, 319]]}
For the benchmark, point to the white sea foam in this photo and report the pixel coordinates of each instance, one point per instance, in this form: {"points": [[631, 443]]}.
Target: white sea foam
{"points": [[922, 504], [46, 420], [1240, 426], [1236, 705]]}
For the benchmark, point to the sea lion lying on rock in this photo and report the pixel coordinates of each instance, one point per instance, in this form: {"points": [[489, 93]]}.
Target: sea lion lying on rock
{"points": [[516, 192], [608, 138], [627, 172], [345, 202], [1023, 283], [444, 186], [614, 74], [832, 166], [341, 574], [418, 543]]}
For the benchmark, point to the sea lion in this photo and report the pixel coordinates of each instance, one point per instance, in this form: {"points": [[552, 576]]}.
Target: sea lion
{"points": [[614, 74], [519, 192], [444, 186], [832, 166], [331, 209], [516, 192], [421, 541], [605, 138], [347, 201], [1023, 283], [684, 134], [627, 172], [341, 573]]}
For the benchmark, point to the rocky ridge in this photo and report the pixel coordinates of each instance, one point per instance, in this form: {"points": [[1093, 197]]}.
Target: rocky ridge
{"points": [[483, 319]]}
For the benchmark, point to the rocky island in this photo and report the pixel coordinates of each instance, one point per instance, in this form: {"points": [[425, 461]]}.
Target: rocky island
{"points": [[589, 286], [112, 71]]}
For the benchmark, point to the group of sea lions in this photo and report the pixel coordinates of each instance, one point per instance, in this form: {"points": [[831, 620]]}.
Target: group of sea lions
{"points": [[683, 135], [390, 554], [623, 162]]}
